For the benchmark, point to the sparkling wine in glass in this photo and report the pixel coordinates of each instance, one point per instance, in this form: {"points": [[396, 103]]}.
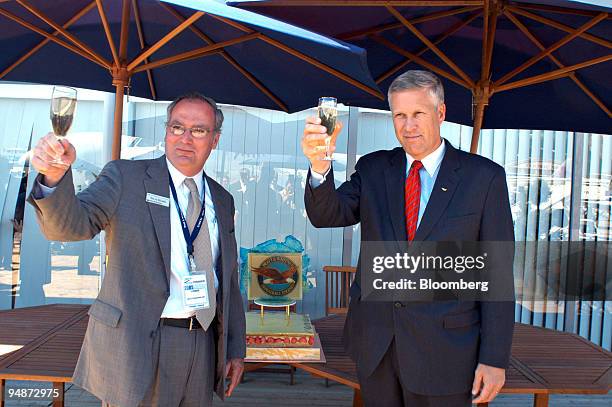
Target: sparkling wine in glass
{"points": [[63, 106], [328, 113]]}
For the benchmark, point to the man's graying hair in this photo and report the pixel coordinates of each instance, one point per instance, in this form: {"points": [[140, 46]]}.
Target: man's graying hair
{"points": [[418, 80], [202, 98]]}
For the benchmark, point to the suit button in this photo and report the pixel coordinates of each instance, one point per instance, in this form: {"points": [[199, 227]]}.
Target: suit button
{"points": [[398, 304]]}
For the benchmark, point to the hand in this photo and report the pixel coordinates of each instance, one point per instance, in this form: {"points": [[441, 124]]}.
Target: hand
{"points": [[233, 371], [45, 154], [488, 381], [313, 143]]}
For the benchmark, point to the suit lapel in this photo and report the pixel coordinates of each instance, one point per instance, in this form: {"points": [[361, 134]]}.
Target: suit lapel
{"points": [[224, 223], [443, 190], [157, 182], [395, 176]]}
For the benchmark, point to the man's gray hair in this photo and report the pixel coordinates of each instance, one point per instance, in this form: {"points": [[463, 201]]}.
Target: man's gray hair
{"points": [[418, 80], [202, 98]]}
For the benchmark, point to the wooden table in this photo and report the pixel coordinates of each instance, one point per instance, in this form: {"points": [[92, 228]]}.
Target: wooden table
{"points": [[51, 336], [543, 361]]}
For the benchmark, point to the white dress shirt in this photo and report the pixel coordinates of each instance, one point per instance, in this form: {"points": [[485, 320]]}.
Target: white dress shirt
{"points": [[179, 260]]}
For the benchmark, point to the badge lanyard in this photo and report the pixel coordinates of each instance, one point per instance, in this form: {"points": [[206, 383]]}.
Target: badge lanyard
{"points": [[190, 237]]}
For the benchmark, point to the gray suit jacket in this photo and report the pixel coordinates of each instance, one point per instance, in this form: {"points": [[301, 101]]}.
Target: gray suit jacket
{"points": [[116, 362]]}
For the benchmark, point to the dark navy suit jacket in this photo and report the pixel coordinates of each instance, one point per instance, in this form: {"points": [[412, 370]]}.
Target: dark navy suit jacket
{"points": [[439, 343]]}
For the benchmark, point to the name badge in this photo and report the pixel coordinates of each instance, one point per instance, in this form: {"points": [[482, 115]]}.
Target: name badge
{"points": [[158, 200], [195, 292]]}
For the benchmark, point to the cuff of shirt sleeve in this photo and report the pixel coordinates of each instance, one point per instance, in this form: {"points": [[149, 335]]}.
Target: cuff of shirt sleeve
{"points": [[317, 179], [40, 191]]}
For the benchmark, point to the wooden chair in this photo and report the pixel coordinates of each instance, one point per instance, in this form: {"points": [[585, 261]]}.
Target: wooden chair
{"points": [[338, 280]]}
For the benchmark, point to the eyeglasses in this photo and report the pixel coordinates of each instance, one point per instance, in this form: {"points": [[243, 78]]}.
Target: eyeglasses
{"points": [[196, 132]]}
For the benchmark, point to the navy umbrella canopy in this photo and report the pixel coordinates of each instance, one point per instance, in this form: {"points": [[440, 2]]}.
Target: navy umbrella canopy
{"points": [[161, 49], [531, 64]]}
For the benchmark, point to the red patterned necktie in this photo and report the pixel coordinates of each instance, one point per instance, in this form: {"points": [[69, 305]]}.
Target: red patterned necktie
{"points": [[412, 192]]}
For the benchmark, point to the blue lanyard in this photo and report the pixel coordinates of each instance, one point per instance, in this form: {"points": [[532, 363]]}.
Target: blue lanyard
{"points": [[189, 238]]}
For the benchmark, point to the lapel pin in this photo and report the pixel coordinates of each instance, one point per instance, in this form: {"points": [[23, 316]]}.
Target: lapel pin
{"points": [[444, 189]]}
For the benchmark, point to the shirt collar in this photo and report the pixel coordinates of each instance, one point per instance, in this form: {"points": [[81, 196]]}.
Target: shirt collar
{"points": [[431, 162], [178, 177]]}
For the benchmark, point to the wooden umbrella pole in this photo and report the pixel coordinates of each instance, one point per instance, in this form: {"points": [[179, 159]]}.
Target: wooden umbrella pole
{"points": [[481, 97], [120, 81], [484, 87]]}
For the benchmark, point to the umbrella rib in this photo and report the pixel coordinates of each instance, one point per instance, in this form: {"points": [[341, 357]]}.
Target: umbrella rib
{"points": [[560, 10], [232, 23], [230, 60], [52, 38], [65, 33], [322, 66], [572, 75], [172, 34], [109, 36], [431, 45], [255, 81], [441, 38], [420, 61], [44, 42], [306, 58], [196, 53], [366, 3], [550, 49], [142, 46], [429, 17], [559, 26], [553, 74]]}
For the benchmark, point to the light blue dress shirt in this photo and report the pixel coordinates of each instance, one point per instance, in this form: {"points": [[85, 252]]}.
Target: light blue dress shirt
{"points": [[428, 175]]}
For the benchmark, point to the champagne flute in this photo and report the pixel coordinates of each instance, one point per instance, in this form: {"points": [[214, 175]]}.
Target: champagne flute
{"points": [[328, 113], [63, 106]]}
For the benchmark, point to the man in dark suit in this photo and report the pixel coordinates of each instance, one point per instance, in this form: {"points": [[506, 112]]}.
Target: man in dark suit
{"points": [[427, 353], [168, 324]]}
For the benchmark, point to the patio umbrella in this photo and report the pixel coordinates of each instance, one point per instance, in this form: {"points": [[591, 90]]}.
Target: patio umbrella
{"points": [[527, 64], [160, 49]]}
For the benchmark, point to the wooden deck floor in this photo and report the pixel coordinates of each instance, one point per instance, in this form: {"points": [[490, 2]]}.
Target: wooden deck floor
{"points": [[259, 389]]}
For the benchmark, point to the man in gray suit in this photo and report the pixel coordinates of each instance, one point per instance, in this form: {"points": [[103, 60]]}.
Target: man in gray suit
{"points": [[168, 324]]}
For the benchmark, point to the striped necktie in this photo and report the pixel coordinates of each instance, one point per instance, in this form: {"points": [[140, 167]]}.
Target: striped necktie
{"points": [[412, 194]]}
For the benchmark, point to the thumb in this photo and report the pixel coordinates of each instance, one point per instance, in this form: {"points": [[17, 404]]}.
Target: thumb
{"points": [[69, 150], [227, 369], [477, 383]]}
